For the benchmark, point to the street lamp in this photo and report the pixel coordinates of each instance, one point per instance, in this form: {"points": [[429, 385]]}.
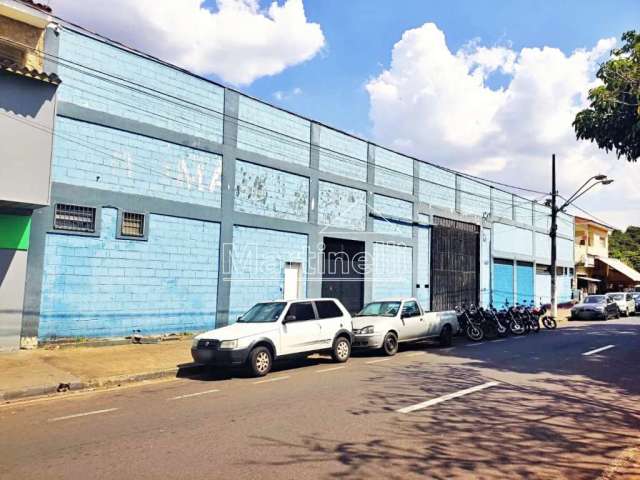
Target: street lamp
{"points": [[553, 233]]}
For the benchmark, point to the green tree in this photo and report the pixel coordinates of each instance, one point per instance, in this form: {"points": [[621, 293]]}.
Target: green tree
{"points": [[625, 246], [613, 119]]}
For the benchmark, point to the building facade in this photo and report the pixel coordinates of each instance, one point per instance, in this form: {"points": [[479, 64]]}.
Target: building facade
{"points": [[27, 112], [596, 271], [177, 203]]}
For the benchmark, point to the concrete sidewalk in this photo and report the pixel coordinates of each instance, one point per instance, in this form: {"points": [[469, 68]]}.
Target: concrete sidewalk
{"points": [[43, 371]]}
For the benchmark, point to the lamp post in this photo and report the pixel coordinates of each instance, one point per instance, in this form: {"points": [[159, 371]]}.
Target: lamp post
{"points": [[553, 233]]}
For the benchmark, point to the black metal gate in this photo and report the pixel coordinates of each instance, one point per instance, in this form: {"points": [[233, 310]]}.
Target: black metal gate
{"points": [[343, 274], [455, 263]]}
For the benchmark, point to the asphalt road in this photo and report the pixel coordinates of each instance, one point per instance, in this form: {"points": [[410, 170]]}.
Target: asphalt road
{"points": [[529, 407]]}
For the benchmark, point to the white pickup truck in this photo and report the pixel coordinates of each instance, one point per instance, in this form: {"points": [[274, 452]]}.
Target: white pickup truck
{"points": [[386, 323]]}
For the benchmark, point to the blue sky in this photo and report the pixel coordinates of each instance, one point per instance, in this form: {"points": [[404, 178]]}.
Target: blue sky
{"points": [[360, 35]]}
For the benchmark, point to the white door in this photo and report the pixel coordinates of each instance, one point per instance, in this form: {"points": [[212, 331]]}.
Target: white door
{"points": [[300, 331], [292, 273]]}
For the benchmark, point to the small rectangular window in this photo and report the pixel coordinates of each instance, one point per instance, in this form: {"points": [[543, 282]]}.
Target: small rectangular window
{"points": [[328, 309], [132, 224], [74, 218]]}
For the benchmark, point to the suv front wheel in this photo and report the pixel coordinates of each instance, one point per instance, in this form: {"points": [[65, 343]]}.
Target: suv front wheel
{"points": [[260, 361], [341, 350]]}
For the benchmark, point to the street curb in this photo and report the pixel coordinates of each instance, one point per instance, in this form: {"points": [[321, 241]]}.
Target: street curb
{"points": [[65, 387]]}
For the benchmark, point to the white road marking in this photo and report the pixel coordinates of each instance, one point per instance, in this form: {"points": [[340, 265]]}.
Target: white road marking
{"points": [[85, 414], [474, 344], [330, 369], [269, 380], [444, 398], [597, 350], [189, 395], [378, 361]]}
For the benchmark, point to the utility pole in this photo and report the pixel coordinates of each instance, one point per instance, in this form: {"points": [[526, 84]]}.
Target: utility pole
{"points": [[553, 233]]}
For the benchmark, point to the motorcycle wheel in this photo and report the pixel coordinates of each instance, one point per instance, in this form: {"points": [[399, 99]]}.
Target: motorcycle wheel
{"points": [[474, 333], [535, 325], [516, 327], [549, 323]]}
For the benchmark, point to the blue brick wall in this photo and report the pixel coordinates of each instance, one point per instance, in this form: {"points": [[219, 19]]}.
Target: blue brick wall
{"points": [[353, 164], [502, 203], [198, 112], [394, 208], [274, 133], [98, 157], [274, 193], [437, 187], [104, 287], [259, 258], [475, 198], [391, 271], [342, 207], [424, 262], [393, 170]]}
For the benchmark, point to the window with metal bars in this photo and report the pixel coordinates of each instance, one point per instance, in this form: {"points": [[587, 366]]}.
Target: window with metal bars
{"points": [[75, 218], [132, 224]]}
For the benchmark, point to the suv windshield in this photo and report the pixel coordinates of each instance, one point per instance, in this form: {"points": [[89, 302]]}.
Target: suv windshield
{"points": [[594, 299], [263, 312], [618, 296], [380, 309]]}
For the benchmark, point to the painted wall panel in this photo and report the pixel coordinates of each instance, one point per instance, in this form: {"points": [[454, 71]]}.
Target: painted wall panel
{"points": [[475, 198], [165, 97], [437, 186], [524, 283], [105, 287], [502, 204], [393, 170], [340, 206], [391, 271], [566, 225], [512, 240], [13, 268], [523, 211], [273, 193], [259, 258], [565, 250], [543, 247], [543, 288], [107, 159], [542, 217], [503, 293], [342, 154], [272, 132], [395, 209]]}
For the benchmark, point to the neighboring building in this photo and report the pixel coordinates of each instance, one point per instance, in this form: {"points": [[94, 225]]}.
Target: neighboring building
{"points": [[27, 110], [177, 203], [596, 271]]}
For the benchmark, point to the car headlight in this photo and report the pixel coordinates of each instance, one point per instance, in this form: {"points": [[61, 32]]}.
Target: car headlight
{"points": [[194, 342], [365, 330], [228, 344]]}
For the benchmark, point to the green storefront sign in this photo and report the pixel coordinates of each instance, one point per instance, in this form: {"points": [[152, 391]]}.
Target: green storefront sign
{"points": [[14, 232]]}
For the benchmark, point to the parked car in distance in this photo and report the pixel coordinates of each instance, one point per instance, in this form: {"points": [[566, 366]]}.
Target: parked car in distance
{"points": [[386, 323], [625, 301], [272, 330], [636, 297], [595, 307]]}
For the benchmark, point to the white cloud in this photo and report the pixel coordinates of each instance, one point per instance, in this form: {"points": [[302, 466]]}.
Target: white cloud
{"points": [[437, 105], [239, 42], [281, 95]]}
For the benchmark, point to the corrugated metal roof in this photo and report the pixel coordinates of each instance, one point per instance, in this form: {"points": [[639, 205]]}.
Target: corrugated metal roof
{"points": [[12, 67], [621, 267]]}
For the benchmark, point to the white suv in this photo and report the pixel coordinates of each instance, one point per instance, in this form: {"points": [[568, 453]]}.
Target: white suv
{"points": [[278, 329]]}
